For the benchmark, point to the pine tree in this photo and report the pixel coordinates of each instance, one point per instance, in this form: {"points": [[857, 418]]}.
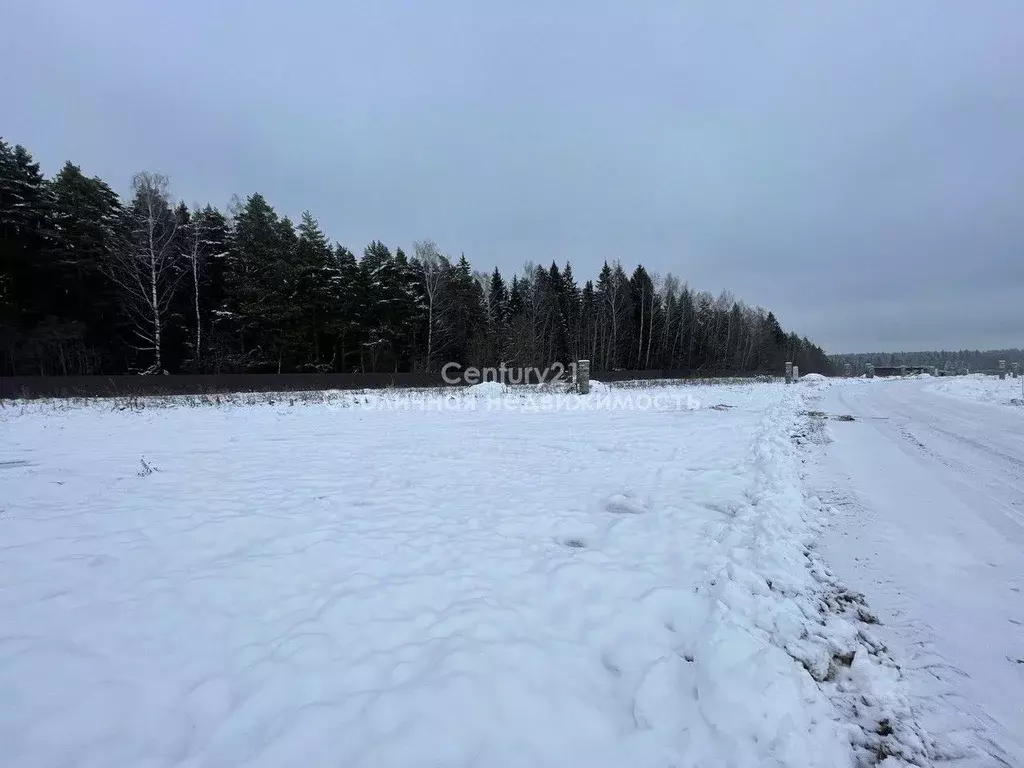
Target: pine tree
{"points": [[497, 318], [467, 316], [86, 219], [588, 323], [26, 237], [261, 285], [556, 321], [318, 291], [347, 323], [381, 289], [570, 294], [643, 299], [285, 306], [515, 299], [407, 315]]}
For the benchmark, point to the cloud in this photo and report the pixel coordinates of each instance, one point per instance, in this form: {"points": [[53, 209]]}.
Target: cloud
{"points": [[853, 166]]}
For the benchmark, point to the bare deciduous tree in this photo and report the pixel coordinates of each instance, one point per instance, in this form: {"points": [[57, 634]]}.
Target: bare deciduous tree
{"points": [[145, 265], [196, 257], [669, 292], [616, 309], [198, 252], [652, 302], [434, 271]]}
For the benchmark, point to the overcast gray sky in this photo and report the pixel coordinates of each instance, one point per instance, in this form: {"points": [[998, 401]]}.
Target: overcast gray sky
{"points": [[855, 165]]}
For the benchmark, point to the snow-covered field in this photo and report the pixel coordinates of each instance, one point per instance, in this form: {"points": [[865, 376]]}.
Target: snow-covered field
{"points": [[981, 388], [487, 578]]}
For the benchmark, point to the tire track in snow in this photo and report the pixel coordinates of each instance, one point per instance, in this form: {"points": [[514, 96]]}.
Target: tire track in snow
{"points": [[862, 540]]}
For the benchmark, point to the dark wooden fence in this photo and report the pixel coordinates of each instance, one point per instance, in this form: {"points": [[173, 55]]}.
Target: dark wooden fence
{"points": [[29, 387]]}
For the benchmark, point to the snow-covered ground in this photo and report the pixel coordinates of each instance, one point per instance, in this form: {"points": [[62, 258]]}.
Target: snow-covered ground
{"points": [[926, 495], [484, 578], [981, 388]]}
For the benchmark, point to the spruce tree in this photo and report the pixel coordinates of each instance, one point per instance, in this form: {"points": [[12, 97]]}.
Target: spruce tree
{"points": [[27, 295], [497, 318], [570, 296], [380, 290], [260, 285], [588, 330], [86, 220], [318, 282], [348, 323], [467, 317]]}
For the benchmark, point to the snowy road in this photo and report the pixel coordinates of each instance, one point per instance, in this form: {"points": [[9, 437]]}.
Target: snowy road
{"points": [[928, 492]]}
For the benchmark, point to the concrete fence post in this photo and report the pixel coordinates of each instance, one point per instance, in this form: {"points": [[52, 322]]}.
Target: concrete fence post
{"points": [[870, 372], [796, 373], [789, 372], [583, 376], [847, 370], [1002, 370]]}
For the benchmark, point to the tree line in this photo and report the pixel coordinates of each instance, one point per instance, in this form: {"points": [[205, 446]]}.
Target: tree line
{"points": [[93, 284], [953, 361]]}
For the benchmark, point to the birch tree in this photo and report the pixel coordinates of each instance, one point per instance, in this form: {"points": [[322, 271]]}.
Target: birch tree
{"points": [[669, 291], [434, 272], [202, 243], [146, 267], [618, 308], [654, 315]]}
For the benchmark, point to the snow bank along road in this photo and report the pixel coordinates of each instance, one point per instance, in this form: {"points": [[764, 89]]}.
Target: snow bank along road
{"points": [[927, 487], [412, 581]]}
